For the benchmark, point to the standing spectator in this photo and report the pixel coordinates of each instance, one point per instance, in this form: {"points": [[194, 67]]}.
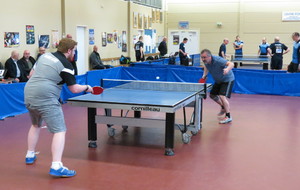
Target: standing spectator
{"points": [[263, 47], [139, 50], [238, 47], [182, 53], [27, 62], [162, 48], [42, 51], [276, 50], [95, 60], [74, 59], [222, 49], [15, 71], [294, 65]]}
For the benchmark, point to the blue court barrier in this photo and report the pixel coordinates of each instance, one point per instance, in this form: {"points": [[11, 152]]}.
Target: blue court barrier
{"points": [[247, 82]]}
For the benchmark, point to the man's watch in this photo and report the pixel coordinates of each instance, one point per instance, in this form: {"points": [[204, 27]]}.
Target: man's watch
{"points": [[87, 87]]}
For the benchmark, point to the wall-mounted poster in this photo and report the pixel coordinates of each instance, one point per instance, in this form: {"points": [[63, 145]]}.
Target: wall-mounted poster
{"points": [[160, 17], [150, 41], [140, 22], [183, 24], [124, 41], [55, 38], [145, 22], [104, 43], [120, 41], [91, 36], [135, 20], [115, 37], [110, 38], [175, 39], [11, 39], [30, 38], [157, 16], [153, 16], [149, 22], [44, 41]]}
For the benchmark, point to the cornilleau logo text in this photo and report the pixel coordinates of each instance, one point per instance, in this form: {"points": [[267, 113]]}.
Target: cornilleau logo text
{"points": [[145, 109]]}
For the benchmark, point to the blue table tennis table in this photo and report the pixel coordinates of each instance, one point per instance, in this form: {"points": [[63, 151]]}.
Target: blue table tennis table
{"points": [[264, 59], [139, 96]]}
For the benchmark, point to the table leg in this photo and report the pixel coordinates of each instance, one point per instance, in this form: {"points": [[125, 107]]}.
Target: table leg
{"points": [[137, 114], [169, 136], [92, 127]]}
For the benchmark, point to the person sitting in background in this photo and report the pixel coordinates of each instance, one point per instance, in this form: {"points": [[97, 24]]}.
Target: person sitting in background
{"points": [[14, 70], [263, 48], [162, 48], [277, 50], [27, 62], [222, 49], [95, 60], [42, 51]]}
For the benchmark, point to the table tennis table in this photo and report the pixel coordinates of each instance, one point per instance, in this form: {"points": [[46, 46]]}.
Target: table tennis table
{"points": [[264, 59], [140, 96]]}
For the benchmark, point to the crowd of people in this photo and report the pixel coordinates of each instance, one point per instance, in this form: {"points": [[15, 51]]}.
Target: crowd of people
{"points": [[18, 69], [276, 50]]}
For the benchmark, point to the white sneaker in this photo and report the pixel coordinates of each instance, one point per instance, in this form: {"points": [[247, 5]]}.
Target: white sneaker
{"points": [[222, 112], [225, 120]]}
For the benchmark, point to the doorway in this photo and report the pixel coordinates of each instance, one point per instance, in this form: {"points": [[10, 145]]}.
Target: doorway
{"points": [[81, 57]]}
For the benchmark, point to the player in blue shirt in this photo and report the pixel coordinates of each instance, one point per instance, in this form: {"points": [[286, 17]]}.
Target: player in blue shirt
{"points": [[294, 65], [238, 47], [263, 47], [221, 71]]}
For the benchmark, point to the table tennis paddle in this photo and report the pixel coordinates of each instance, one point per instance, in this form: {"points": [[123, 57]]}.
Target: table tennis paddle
{"points": [[202, 80], [97, 90]]}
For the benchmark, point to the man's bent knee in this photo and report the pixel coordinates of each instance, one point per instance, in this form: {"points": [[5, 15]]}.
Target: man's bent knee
{"points": [[214, 97]]}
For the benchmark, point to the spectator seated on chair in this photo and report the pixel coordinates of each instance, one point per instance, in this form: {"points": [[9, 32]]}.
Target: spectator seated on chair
{"points": [[14, 70], [95, 60], [27, 62]]}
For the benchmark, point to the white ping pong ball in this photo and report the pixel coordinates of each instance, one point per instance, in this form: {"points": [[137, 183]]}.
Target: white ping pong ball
{"points": [[157, 77]]}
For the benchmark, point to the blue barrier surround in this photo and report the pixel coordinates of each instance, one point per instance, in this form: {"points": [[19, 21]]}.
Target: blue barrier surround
{"points": [[247, 82]]}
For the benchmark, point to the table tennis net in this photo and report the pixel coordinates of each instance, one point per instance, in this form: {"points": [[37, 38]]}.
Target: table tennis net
{"points": [[153, 85]]}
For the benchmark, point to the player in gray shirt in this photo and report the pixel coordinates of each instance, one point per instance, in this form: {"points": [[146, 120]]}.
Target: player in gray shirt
{"points": [[221, 71], [42, 93]]}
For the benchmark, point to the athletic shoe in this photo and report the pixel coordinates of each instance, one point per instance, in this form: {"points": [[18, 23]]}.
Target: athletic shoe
{"points": [[222, 112], [30, 160], [225, 120], [62, 172]]}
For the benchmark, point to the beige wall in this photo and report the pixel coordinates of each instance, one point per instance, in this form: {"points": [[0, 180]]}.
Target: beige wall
{"points": [[160, 29], [15, 15], [251, 19]]}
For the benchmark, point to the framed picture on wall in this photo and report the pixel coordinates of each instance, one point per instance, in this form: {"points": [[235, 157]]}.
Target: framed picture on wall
{"points": [[157, 16], [160, 17], [110, 38], [140, 22], [149, 22], [30, 38], [135, 20], [44, 41], [104, 43], [145, 22], [153, 16], [11, 39], [124, 41], [55, 38]]}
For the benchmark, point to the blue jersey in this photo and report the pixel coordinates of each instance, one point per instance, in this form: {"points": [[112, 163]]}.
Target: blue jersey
{"points": [[263, 49], [238, 51], [296, 49], [216, 67]]}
